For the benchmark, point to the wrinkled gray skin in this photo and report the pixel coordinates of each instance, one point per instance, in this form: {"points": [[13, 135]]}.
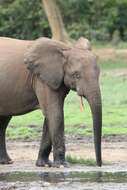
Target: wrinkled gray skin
{"points": [[39, 74]]}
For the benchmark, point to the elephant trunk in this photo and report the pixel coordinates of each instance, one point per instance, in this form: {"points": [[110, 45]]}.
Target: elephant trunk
{"points": [[94, 100]]}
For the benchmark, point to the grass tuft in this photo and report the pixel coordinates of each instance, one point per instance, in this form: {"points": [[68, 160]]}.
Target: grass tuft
{"points": [[75, 160]]}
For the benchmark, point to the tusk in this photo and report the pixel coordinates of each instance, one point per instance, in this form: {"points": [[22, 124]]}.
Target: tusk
{"points": [[81, 104]]}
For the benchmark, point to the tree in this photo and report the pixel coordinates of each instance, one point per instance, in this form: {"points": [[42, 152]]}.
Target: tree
{"points": [[55, 20], [23, 19], [96, 20]]}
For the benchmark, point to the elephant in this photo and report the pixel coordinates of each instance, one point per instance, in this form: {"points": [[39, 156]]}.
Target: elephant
{"points": [[39, 74]]}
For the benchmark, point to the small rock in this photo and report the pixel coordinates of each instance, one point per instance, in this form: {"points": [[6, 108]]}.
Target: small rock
{"points": [[61, 166], [46, 184]]}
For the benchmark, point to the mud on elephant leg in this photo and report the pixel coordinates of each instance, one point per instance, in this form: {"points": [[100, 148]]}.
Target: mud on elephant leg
{"points": [[45, 147], [4, 158]]}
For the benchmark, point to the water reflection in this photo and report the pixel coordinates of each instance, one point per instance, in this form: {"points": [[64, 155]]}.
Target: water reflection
{"points": [[56, 177]]}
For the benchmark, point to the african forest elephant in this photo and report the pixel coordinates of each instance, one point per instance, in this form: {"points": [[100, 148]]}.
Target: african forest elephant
{"points": [[39, 74]]}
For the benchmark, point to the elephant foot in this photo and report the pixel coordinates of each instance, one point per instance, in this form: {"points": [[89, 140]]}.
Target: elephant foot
{"points": [[60, 164], [5, 160], [43, 163]]}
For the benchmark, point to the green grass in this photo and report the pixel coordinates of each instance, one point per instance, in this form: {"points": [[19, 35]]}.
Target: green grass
{"points": [[119, 45], [75, 160], [118, 63], [107, 131], [114, 98], [19, 133]]}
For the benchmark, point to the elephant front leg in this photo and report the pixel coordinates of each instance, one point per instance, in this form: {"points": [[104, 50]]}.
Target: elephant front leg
{"points": [[45, 147], [51, 102]]}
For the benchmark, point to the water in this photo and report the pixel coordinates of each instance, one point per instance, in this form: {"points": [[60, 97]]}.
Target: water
{"points": [[64, 180], [56, 177]]}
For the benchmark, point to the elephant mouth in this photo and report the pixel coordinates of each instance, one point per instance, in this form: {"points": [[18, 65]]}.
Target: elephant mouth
{"points": [[80, 92]]}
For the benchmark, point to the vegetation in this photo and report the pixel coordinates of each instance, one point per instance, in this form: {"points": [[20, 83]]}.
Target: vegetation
{"points": [[113, 85], [97, 20], [75, 160], [23, 19]]}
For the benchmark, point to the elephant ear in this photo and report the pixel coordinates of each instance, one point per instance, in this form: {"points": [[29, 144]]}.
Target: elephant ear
{"points": [[83, 43], [45, 60]]}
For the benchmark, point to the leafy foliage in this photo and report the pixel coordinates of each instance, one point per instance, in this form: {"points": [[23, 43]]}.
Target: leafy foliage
{"points": [[23, 19], [97, 20]]}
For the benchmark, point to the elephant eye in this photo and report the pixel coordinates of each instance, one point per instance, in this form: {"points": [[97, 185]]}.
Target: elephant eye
{"points": [[76, 75]]}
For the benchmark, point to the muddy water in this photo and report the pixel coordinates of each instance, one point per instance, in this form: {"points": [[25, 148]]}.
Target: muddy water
{"points": [[63, 180], [23, 175]]}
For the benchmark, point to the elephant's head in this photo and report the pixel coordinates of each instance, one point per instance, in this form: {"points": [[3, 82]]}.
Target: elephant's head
{"points": [[54, 63]]}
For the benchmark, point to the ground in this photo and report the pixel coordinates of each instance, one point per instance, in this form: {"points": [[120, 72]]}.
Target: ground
{"points": [[114, 149], [30, 177]]}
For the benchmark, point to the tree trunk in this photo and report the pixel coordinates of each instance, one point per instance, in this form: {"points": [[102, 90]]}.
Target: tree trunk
{"points": [[55, 20]]}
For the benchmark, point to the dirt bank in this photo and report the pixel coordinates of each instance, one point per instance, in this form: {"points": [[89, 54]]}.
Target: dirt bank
{"points": [[114, 149]]}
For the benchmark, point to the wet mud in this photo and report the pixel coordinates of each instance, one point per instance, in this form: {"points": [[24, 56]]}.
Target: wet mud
{"points": [[63, 180], [24, 175]]}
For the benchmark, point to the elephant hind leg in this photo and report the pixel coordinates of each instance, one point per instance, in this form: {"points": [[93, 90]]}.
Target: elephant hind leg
{"points": [[45, 147], [4, 158]]}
